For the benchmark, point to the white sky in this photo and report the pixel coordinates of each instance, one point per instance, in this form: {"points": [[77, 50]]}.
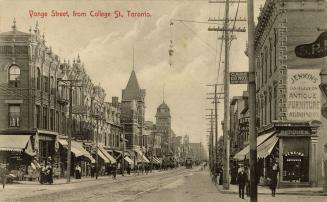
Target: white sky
{"points": [[105, 46]]}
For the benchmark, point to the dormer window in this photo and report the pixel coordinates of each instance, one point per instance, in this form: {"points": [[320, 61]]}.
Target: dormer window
{"points": [[14, 76]]}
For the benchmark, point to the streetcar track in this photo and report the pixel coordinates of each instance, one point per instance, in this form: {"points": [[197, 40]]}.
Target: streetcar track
{"points": [[54, 195]]}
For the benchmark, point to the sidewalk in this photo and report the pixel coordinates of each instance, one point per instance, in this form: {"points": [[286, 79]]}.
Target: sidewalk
{"points": [[306, 191]]}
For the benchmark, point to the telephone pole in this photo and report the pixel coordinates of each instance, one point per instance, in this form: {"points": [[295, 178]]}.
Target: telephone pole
{"points": [[227, 40], [211, 153], [252, 105], [215, 102]]}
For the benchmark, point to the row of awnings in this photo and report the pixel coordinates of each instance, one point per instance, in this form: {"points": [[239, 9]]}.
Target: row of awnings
{"points": [[265, 145], [22, 143]]}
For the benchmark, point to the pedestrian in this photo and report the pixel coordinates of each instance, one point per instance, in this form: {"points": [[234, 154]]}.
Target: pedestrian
{"points": [[92, 170], [247, 185], [3, 176], [128, 169], [114, 171], [274, 180], [78, 172], [241, 180], [49, 171]]}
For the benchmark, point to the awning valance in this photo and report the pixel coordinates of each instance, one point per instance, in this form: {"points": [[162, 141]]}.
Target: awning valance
{"points": [[266, 147], [14, 142], [244, 153]]}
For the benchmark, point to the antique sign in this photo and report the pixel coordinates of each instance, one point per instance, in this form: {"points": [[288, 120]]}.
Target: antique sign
{"points": [[303, 95]]}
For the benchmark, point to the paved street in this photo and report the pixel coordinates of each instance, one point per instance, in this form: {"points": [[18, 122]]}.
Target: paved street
{"points": [[176, 185]]}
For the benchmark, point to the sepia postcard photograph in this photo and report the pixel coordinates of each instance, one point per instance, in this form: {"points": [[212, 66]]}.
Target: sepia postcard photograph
{"points": [[163, 100]]}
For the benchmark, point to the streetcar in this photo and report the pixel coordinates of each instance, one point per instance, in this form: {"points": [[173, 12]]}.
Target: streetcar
{"points": [[188, 163]]}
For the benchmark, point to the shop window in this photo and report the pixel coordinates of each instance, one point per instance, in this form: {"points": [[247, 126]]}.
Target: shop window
{"points": [[295, 167], [14, 116], [14, 76]]}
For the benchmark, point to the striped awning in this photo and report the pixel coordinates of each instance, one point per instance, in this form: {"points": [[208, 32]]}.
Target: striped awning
{"points": [[141, 157], [245, 153], [266, 148], [107, 155], [77, 149], [14, 142], [129, 160]]}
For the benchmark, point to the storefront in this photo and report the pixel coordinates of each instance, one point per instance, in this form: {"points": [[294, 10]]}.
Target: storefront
{"points": [[292, 146], [17, 154]]}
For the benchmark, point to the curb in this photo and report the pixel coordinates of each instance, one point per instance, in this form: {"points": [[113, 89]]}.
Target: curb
{"points": [[282, 193]]}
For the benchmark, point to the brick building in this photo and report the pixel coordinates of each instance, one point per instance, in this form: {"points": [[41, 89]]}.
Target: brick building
{"points": [[288, 95]]}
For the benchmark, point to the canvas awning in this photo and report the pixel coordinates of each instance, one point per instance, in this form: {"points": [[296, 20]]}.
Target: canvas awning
{"points": [[266, 147], [107, 155], [16, 143], [141, 156], [245, 153], [129, 160], [103, 157], [77, 149]]}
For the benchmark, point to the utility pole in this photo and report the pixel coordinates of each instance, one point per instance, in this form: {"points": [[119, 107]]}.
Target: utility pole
{"points": [[226, 101], [97, 148], [227, 38], [70, 130], [252, 105], [211, 140], [123, 157], [215, 102]]}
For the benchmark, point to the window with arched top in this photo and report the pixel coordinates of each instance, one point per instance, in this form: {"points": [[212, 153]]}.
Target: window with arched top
{"points": [[14, 76]]}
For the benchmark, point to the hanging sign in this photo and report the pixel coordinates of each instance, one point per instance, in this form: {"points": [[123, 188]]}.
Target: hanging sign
{"points": [[239, 77], [317, 49]]}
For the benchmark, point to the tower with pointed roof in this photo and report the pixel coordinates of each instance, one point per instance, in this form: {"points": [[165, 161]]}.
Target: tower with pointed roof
{"points": [[163, 125], [132, 112]]}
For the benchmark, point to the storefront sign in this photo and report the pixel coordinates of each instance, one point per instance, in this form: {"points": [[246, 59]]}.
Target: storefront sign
{"points": [[317, 49], [295, 133], [303, 95]]}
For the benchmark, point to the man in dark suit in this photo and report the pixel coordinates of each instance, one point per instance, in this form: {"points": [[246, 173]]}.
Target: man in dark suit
{"points": [[241, 180]]}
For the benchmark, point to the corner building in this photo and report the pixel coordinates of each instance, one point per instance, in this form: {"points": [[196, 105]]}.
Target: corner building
{"points": [[290, 126]]}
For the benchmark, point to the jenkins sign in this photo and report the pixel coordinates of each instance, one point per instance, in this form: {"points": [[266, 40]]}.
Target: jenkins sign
{"points": [[303, 95]]}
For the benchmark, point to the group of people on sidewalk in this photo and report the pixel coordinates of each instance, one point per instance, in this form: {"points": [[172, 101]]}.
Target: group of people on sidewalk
{"points": [[243, 180]]}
